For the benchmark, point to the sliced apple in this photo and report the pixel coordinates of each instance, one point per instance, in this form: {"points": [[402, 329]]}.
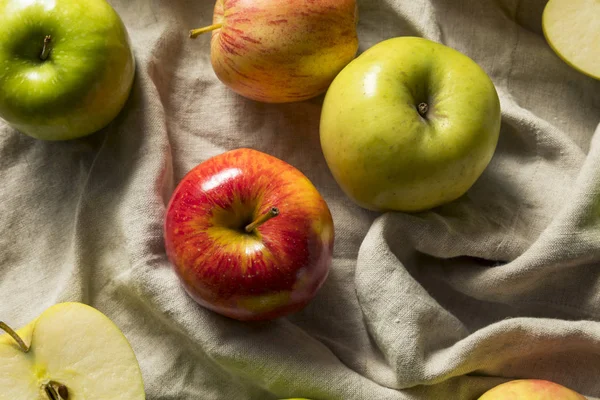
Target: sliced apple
{"points": [[70, 352], [572, 29]]}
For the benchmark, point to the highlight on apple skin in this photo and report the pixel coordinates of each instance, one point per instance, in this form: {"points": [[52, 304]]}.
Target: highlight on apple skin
{"points": [[531, 389], [66, 67], [281, 51], [249, 236]]}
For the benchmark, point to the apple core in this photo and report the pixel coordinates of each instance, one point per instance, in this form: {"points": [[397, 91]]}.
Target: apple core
{"points": [[56, 391], [53, 389]]}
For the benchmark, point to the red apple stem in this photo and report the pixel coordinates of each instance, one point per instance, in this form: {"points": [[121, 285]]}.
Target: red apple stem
{"points": [[194, 33], [423, 108], [272, 213], [46, 48], [14, 335]]}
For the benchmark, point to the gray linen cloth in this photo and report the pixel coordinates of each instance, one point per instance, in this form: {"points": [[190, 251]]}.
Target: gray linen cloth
{"points": [[503, 283]]}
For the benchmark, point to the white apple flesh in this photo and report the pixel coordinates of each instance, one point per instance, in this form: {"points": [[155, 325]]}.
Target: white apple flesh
{"points": [[572, 28], [72, 349]]}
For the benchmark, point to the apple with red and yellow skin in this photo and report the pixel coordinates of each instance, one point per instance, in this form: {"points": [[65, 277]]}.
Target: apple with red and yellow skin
{"points": [[249, 236], [281, 51], [531, 389]]}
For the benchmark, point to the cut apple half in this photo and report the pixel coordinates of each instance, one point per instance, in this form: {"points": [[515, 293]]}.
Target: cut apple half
{"points": [[70, 352], [572, 29]]}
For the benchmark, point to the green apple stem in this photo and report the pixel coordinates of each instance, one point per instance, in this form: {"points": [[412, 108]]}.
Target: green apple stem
{"points": [[46, 48], [273, 212], [194, 33], [423, 108], [56, 391], [14, 335]]}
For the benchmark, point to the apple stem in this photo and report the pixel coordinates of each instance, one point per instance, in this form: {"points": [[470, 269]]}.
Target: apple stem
{"points": [[46, 48], [273, 212], [56, 391], [14, 335], [194, 33], [423, 108]]}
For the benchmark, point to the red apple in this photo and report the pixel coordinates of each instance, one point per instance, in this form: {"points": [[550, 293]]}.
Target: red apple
{"points": [[281, 51], [249, 236]]}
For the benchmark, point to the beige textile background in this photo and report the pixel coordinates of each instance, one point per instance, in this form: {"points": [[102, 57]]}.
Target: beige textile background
{"points": [[503, 283]]}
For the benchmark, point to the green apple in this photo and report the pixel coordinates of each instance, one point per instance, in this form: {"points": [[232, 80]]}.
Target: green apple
{"points": [[572, 29], [531, 389], [408, 125], [66, 66], [74, 353]]}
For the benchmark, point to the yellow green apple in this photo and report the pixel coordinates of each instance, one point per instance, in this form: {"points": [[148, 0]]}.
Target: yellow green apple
{"points": [[281, 51], [572, 29], [531, 389], [70, 352], [66, 66], [408, 125]]}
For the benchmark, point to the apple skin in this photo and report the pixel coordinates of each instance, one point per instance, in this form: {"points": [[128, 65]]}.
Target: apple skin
{"points": [[86, 79], [282, 51], [531, 389], [268, 273], [382, 152]]}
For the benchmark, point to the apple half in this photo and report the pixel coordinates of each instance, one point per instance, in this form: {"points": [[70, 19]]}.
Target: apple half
{"points": [[572, 29], [74, 353]]}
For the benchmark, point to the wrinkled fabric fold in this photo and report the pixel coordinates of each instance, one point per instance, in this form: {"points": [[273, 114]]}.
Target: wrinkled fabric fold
{"points": [[503, 283]]}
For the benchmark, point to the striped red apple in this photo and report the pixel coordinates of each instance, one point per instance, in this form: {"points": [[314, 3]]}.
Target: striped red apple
{"points": [[249, 236], [279, 51]]}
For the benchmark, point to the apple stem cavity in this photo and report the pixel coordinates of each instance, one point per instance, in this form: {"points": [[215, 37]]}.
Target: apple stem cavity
{"points": [[194, 33], [14, 335], [423, 108], [56, 391], [46, 48], [272, 213]]}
